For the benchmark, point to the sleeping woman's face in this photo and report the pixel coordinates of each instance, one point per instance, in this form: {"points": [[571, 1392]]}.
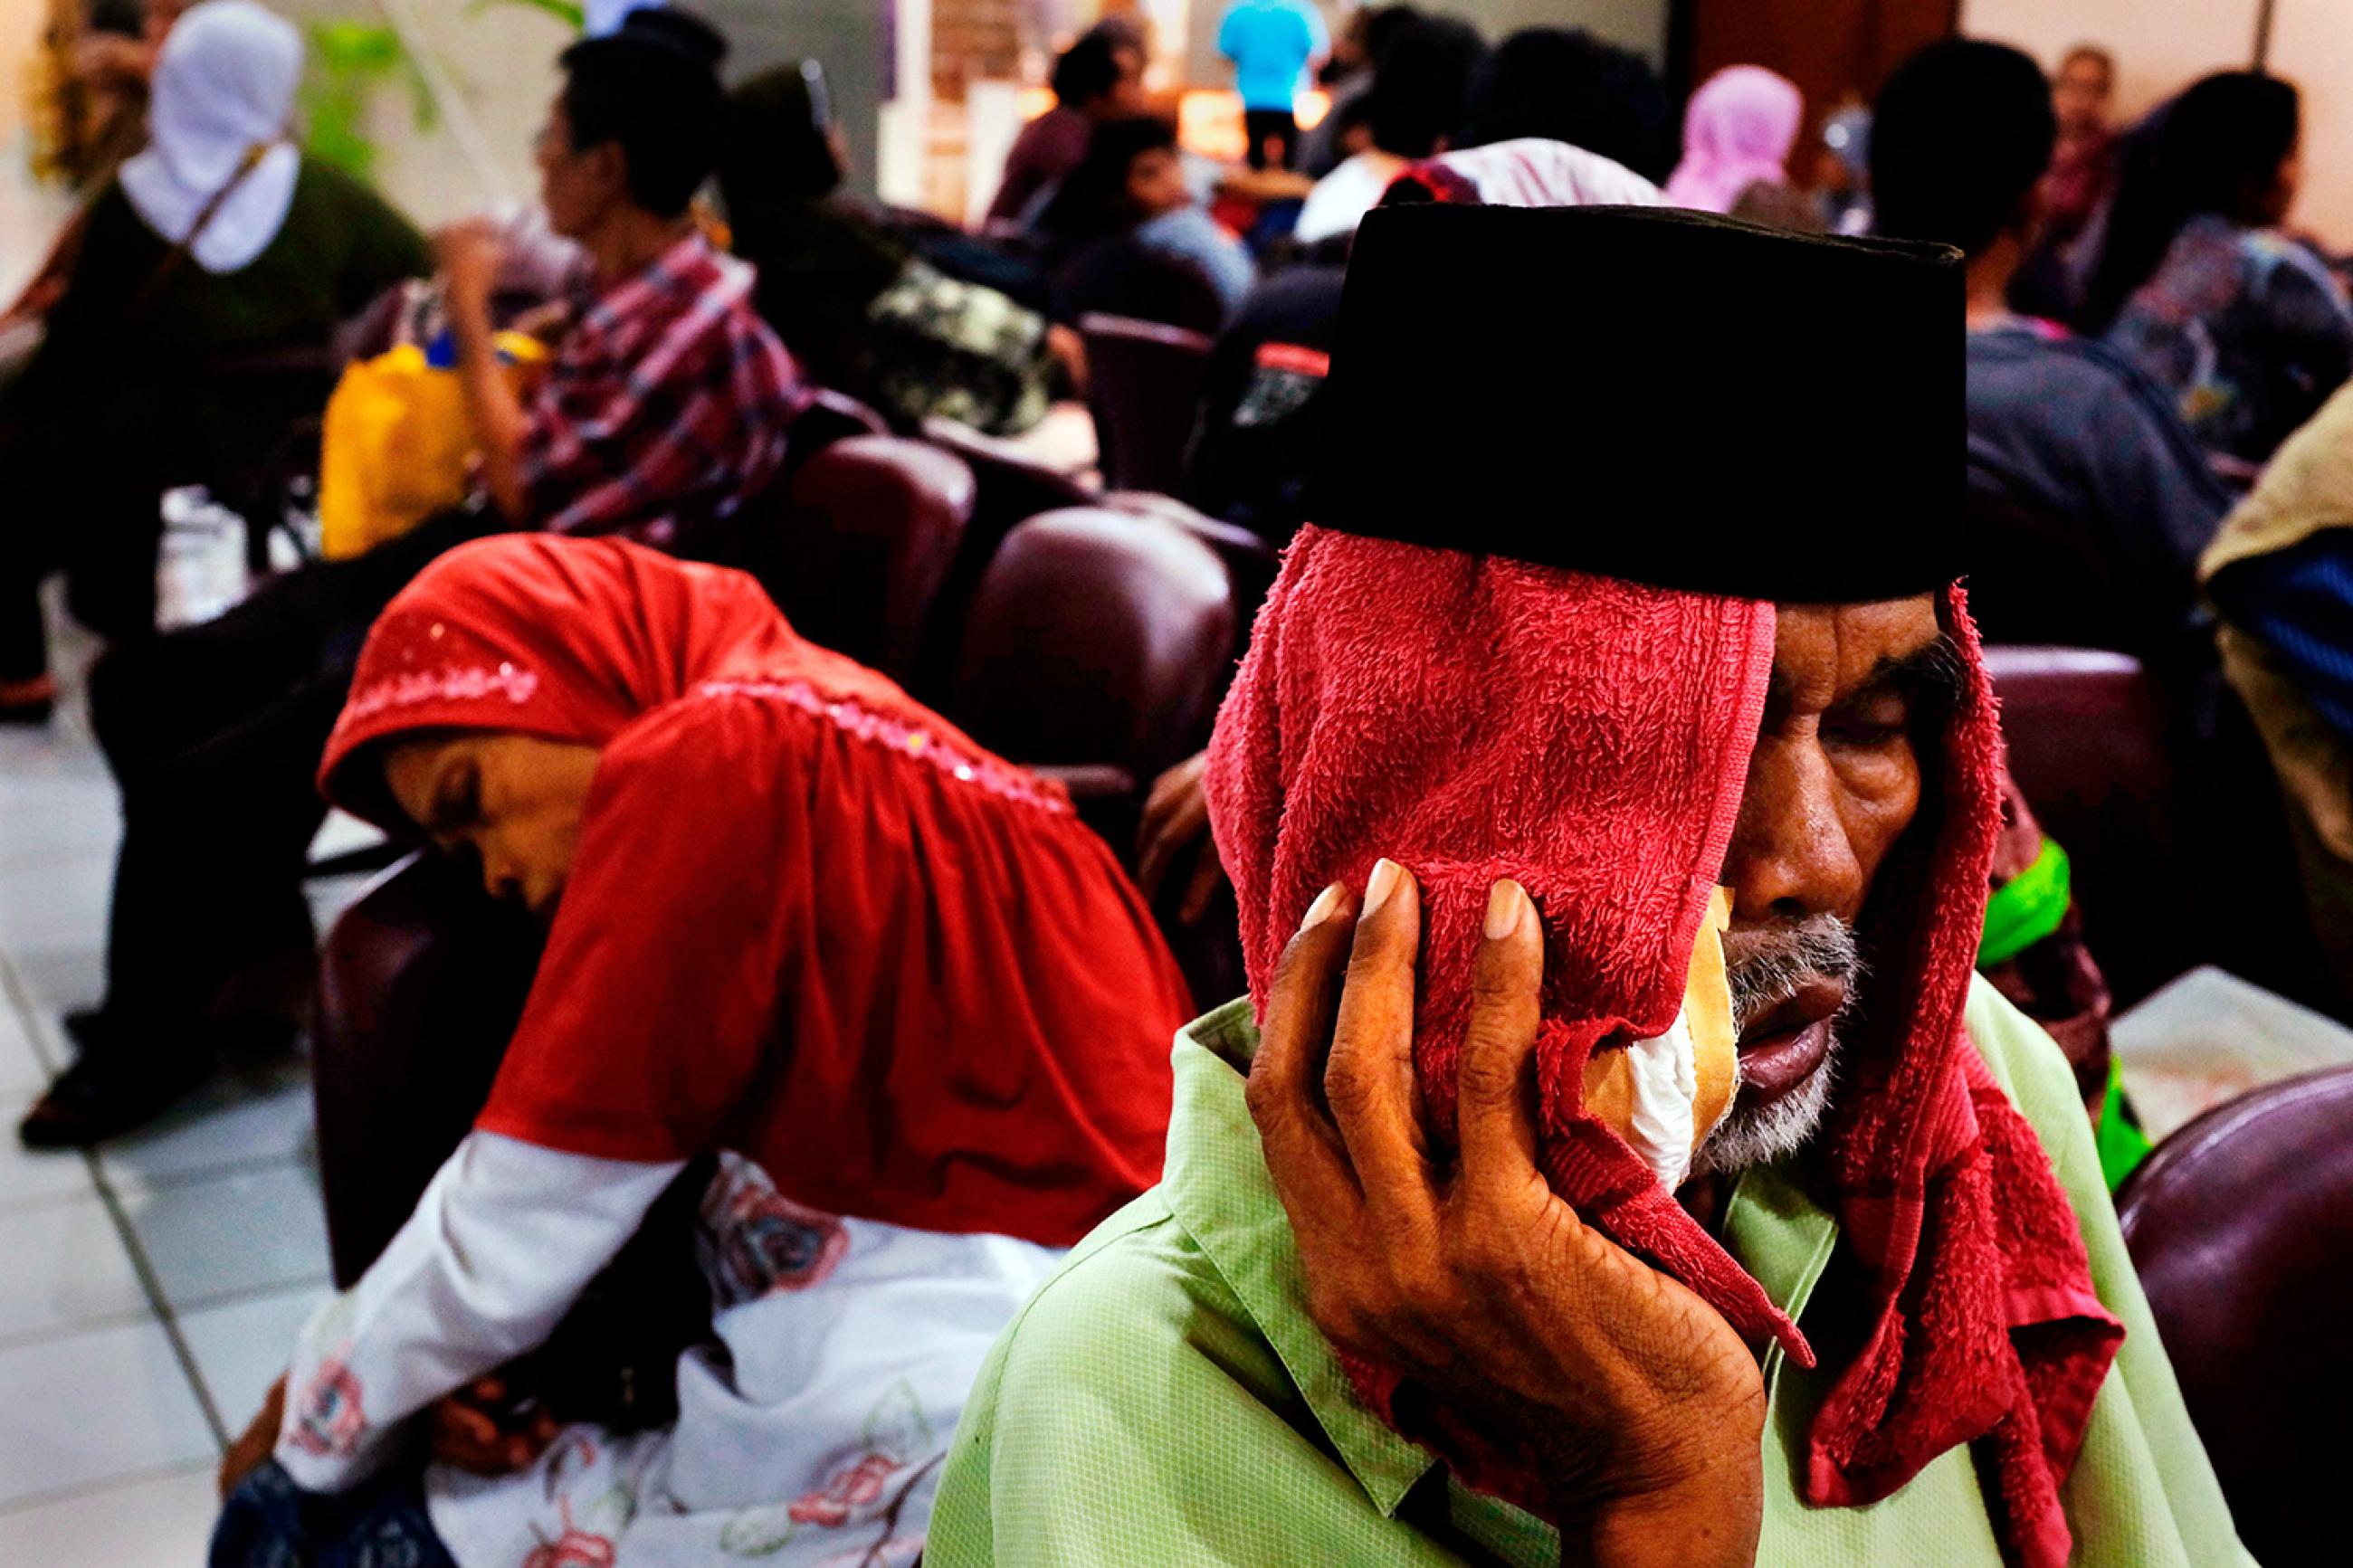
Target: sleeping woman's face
{"points": [[513, 802]]}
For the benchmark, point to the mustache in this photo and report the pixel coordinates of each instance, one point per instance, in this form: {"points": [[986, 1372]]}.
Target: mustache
{"points": [[1766, 967]]}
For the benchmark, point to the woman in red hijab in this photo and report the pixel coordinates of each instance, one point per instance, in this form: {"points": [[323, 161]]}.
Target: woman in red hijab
{"points": [[795, 918]]}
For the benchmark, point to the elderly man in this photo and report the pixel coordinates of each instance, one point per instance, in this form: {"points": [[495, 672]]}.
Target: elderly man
{"points": [[1435, 1274]]}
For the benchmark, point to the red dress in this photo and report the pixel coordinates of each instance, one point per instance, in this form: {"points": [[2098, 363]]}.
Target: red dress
{"points": [[809, 920]]}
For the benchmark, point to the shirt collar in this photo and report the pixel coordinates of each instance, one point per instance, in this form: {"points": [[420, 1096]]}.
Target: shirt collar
{"points": [[689, 268], [1217, 1185]]}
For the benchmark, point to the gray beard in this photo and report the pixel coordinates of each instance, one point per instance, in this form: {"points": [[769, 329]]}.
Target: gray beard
{"points": [[1760, 1135], [1766, 969]]}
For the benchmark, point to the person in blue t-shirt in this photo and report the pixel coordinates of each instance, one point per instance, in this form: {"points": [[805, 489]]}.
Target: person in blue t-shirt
{"points": [[1271, 43]]}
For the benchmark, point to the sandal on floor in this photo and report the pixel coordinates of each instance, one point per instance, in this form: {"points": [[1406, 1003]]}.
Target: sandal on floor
{"points": [[111, 1090], [29, 702]]}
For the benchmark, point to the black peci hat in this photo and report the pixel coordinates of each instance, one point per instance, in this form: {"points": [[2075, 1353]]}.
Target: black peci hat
{"points": [[1629, 390]]}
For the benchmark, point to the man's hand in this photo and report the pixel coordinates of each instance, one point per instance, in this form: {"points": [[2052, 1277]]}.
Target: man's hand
{"points": [[482, 1432], [260, 1437], [1639, 1407], [469, 252], [1176, 823]]}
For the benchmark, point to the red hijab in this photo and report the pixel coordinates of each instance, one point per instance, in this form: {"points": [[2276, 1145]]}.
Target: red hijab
{"points": [[808, 919], [1474, 718]]}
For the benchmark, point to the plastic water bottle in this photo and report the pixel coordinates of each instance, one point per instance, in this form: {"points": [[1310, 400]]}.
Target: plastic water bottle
{"points": [[200, 567]]}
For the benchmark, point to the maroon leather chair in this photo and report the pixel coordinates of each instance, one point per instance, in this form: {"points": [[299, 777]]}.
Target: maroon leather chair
{"points": [[2242, 1228], [829, 416], [1146, 385], [1250, 561], [869, 529], [2090, 746], [420, 983], [1008, 489], [1096, 644]]}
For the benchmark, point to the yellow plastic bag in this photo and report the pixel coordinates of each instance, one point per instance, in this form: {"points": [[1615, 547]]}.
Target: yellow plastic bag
{"points": [[397, 446]]}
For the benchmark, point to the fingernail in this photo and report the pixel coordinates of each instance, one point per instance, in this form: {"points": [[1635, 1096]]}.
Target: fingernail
{"points": [[1507, 904], [1326, 903], [1378, 889]]}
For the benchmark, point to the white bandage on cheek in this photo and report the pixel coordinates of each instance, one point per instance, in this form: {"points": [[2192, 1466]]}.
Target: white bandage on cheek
{"points": [[1666, 1086]]}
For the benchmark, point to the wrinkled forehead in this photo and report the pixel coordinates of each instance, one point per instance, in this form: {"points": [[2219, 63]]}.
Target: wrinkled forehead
{"points": [[1828, 654]]}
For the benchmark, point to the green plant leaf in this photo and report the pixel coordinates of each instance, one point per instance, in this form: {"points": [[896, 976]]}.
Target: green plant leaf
{"points": [[569, 12]]}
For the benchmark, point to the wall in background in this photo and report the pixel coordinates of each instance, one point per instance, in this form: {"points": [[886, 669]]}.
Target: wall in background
{"points": [[1639, 24], [2161, 45]]}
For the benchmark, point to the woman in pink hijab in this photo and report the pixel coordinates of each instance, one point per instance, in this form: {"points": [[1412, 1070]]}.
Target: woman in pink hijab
{"points": [[1738, 131]]}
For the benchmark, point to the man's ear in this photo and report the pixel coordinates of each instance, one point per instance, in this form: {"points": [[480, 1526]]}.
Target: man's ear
{"points": [[608, 171]]}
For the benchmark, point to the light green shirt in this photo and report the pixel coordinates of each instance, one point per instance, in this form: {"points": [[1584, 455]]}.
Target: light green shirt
{"points": [[1164, 1398]]}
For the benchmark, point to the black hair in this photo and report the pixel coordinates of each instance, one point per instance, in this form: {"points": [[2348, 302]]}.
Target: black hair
{"points": [[1420, 82], [1092, 199], [1089, 68], [1383, 26], [1565, 84], [778, 149], [651, 86], [2217, 148], [1960, 136]]}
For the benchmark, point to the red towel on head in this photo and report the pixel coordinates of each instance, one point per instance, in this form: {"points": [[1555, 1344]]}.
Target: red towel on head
{"points": [[1474, 717]]}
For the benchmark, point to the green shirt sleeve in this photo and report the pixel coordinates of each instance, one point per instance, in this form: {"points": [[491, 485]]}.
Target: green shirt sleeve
{"points": [[1131, 1414], [2143, 1493]]}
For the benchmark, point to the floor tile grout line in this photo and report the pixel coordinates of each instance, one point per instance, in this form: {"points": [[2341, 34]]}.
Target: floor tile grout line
{"points": [[13, 983], [165, 1315], [77, 1490], [96, 1323]]}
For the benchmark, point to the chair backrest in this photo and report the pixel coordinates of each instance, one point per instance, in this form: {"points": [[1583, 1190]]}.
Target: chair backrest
{"points": [[872, 526], [1117, 276], [2090, 745], [2038, 579], [1095, 638], [1146, 385], [1250, 561], [2241, 1225], [826, 417], [420, 983], [1008, 489]]}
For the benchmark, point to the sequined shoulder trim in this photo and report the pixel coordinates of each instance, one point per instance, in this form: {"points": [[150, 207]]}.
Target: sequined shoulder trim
{"points": [[469, 683], [907, 740]]}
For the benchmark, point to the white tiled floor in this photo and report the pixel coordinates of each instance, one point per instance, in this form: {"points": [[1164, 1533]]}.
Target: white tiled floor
{"points": [[148, 1296]]}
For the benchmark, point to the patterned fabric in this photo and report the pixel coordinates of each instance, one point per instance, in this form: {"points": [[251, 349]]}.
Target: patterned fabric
{"points": [[2246, 329], [942, 346], [664, 406], [811, 1436], [810, 1433], [1165, 1394]]}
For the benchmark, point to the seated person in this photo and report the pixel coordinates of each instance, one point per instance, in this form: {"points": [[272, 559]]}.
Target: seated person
{"points": [[2280, 574], [2197, 283], [1419, 87], [857, 308], [1563, 84], [792, 916], [1099, 76], [1347, 83], [219, 241], [1259, 428], [663, 406], [2061, 428], [1129, 197], [1605, 1240], [1738, 132]]}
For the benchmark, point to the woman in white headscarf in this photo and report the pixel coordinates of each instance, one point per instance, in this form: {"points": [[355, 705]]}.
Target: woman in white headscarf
{"points": [[218, 243]]}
